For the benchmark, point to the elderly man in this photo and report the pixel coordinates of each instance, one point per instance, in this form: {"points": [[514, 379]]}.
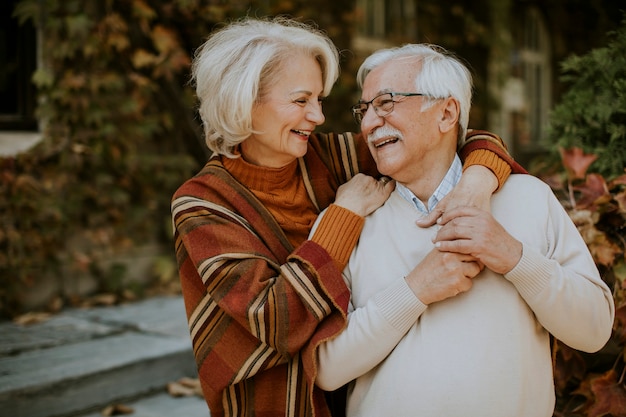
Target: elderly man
{"points": [[466, 331]]}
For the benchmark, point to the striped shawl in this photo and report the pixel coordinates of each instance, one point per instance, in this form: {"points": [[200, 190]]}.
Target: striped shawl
{"points": [[253, 301]]}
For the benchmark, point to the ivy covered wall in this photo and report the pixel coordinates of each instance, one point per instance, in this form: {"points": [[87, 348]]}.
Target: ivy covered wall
{"points": [[120, 129]]}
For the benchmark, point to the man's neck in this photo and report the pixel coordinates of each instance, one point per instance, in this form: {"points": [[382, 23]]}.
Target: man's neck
{"points": [[439, 190], [425, 183]]}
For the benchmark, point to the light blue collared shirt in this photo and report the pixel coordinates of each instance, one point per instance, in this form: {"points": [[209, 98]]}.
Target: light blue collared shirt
{"points": [[452, 178]]}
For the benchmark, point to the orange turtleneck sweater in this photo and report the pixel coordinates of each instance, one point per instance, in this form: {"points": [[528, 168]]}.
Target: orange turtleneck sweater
{"points": [[283, 193]]}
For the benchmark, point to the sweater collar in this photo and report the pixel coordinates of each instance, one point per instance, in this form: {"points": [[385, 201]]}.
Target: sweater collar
{"points": [[258, 177]]}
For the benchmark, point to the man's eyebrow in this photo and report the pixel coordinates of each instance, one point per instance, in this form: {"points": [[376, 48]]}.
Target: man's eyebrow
{"points": [[378, 93]]}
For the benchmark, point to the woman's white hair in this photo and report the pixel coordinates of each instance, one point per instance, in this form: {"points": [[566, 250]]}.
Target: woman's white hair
{"points": [[238, 62], [439, 74]]}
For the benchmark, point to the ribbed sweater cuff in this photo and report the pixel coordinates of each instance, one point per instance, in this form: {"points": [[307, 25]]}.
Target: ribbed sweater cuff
{"points": [[399, 305], [531, 274], [491, 160], [338, 232]]}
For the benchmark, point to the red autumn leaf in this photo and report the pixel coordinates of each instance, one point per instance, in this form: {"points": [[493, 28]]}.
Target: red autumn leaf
{"points": [[592, 190], [568, 365], [576, 162], [621, 180], [555, 181], [610, 396]]}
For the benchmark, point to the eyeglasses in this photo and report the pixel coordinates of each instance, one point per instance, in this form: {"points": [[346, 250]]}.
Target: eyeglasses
{"points": [[382, 103]]}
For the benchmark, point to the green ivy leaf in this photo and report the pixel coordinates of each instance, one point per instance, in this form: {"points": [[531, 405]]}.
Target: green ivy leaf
{"points": [[43, 78]]}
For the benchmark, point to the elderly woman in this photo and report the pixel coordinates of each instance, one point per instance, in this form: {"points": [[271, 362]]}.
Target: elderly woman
{"points": [[260, 295]]}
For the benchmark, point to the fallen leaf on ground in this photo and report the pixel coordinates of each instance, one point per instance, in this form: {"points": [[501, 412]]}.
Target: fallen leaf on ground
{"points": [[185, 387], [32, 317], [104, 300], [117, 410]]}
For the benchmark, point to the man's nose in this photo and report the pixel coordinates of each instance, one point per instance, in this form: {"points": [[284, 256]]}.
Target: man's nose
{"points": [[371, 120]]}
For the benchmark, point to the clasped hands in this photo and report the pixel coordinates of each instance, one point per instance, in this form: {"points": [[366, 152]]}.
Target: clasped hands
{"points": [[469, 239]]}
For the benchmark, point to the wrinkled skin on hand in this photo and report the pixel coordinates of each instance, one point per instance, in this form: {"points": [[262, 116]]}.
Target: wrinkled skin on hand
{"points": [[363, 194], [442, 275], [476, 232]]}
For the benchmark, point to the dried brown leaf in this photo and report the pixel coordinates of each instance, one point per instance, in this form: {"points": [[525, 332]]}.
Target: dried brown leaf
{"points": [[568, 365], [56, 304], [117, 410], [621, 201], [619, 329], [593, 192], [142, 58], [164, 39], [32, 317], [603, 250], [185, 387], [104, 299], [610, 396]]}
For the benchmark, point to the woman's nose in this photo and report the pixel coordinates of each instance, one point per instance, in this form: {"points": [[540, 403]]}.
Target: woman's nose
{"points": [[316, 114]]}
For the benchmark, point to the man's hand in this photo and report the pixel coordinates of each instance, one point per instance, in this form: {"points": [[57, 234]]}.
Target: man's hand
{"points": [[442, 275], [476, 232], [475, 189]]}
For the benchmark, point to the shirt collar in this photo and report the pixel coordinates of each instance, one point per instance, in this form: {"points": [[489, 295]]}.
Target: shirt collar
{"points": [[452, 178]]}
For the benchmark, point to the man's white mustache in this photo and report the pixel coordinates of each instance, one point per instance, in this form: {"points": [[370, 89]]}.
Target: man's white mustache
{"points": [[383, 132]]}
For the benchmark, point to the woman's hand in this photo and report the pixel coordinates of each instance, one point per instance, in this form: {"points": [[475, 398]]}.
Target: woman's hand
{"points": [[474, 190], [364, 194]]}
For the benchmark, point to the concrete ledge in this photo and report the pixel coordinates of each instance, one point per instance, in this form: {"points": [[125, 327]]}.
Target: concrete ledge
{"points": [[14, 143], [86, 359], [63, 379], [164, 405]]}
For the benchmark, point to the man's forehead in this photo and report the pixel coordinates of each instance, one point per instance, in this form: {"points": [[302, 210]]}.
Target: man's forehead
{"points": [[390, 76]]}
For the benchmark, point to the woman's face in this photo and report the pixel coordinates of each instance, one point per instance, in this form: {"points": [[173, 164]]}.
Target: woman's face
{"points": [[286, 115]]}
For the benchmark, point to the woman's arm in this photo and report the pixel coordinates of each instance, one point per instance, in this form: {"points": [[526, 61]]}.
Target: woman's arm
{"points": [[486, 166], [488, 149], [242, 281], [339, 229]]}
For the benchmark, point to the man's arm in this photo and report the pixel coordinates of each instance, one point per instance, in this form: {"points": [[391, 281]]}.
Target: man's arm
{"points": [[560, 282], [375, 329]]}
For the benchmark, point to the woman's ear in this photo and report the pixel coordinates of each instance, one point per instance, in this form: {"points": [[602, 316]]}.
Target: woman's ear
{"points": [[450, 111]]}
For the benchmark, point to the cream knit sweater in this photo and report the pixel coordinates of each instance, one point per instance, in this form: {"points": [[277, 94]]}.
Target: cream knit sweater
{"points": [[484, 353]]}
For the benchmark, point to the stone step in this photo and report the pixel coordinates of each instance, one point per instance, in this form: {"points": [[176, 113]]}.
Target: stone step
{"points": [[83, 360], [162, 404]]}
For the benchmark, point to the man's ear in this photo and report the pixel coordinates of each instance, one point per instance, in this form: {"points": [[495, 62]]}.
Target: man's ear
{"points": [[450, 111]]}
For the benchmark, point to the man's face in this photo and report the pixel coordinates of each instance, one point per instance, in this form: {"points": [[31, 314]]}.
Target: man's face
{"points": [[401, 140]]}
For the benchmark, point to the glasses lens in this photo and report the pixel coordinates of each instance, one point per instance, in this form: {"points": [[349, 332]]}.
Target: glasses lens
{"points": [[383, 104], [358, 111]]}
